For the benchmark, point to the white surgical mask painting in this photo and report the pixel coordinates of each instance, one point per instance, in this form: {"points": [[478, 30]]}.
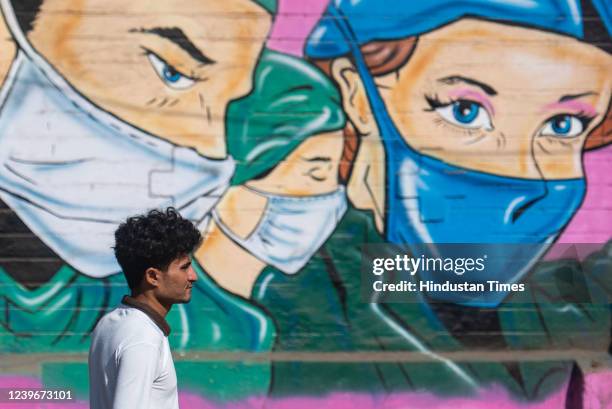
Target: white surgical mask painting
{"points": [[72, 172], [292, 228]]}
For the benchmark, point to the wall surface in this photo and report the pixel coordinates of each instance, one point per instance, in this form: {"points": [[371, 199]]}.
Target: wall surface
{"points": [[492, 128]]}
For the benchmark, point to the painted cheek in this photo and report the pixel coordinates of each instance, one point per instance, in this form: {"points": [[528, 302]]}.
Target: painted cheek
{"points": [[557, 161]]}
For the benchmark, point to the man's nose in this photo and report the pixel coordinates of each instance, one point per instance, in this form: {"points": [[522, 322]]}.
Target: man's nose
{"points": [[191, 274]]}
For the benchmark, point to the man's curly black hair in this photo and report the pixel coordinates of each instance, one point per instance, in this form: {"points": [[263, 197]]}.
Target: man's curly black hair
{"points": [[153, 240]]}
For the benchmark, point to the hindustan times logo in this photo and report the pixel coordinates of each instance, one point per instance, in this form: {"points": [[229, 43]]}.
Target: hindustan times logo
{"points": [[412, 265]]}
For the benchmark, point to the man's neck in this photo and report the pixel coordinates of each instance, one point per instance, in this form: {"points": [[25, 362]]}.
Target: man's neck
{"points": [[149, 299]]}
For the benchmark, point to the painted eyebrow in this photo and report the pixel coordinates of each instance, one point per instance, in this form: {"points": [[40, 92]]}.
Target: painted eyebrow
{"points": [[178, 37], [318, 159], [571, 97], [453, 79]]}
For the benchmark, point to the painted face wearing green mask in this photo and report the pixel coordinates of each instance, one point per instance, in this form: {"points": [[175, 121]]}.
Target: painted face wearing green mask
{"points": [[291, 101]]}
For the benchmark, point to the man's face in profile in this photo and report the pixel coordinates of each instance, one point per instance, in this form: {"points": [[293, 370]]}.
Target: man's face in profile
{"points": [[175, 284]]}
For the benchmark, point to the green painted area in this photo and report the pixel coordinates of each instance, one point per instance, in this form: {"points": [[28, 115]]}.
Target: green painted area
{"points": [[291, 100], [269, 5], [224, 381], [217, 381], [67, 375], [319, 310], [58, 317]]}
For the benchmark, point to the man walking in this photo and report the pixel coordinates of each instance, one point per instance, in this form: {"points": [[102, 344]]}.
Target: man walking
{"points": [[130, 364]]}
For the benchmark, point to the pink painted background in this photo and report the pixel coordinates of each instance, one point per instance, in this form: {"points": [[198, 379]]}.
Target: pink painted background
{"points": [[597, 395], [593, 223]]}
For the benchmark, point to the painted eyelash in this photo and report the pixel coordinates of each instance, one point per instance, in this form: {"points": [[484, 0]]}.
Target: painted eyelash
{"points": [[584, 118], [435, 102]]}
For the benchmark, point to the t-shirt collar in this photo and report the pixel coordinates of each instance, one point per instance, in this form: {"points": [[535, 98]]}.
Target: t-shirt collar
{"points": [[154, 315]]}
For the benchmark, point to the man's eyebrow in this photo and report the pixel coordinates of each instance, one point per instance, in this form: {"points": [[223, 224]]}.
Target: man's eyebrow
{"points": [[453, 79], [178, 37], [575, 96]]}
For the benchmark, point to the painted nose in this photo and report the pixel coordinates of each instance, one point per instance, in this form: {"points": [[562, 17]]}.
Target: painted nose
{"points": [[539, 192], [522, 206], [548, 212]]}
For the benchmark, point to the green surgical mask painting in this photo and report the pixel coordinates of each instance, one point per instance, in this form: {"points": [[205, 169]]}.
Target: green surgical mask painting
{"points": [[291, 100]]}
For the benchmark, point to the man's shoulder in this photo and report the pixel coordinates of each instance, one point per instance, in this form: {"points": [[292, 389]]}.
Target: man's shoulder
{"points": [[126, 326]]}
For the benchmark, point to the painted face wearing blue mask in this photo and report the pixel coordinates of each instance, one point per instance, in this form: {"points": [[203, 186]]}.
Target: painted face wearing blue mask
{"points": [[432, 201]]}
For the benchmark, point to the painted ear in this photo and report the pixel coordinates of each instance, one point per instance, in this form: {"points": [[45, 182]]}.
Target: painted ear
{"points": [[354, 98]]}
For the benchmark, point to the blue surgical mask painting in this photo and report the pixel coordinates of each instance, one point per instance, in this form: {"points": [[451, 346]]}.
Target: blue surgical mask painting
{"points": [[431, 201]]}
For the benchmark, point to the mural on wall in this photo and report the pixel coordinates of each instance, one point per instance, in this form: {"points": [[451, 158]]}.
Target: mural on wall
{"points": [[93, 131], [292, 134]]}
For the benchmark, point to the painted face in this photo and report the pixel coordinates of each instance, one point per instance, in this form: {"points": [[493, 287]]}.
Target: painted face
{"points": [[175, 284], [169, 68], [482, 155], [500, 99], [311, 169]]}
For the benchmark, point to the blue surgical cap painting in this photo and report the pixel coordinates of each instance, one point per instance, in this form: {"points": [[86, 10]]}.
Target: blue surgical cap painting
{"points": [[393, 19], [430, 199]]}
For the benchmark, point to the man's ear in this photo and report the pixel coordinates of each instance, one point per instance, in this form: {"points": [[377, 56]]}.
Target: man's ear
{"points": [[151, 276], [354, 98]]}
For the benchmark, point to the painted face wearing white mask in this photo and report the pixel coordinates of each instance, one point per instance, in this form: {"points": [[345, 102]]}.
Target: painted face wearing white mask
{"points": [[72, 172], [291, 228]]}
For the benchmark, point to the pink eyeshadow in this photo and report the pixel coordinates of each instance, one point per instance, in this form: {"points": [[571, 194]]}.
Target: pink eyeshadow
{"points": [[575, 106], [474, 96]]}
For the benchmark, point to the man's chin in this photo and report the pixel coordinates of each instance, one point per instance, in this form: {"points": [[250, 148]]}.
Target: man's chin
{"points": [[182, 300]]}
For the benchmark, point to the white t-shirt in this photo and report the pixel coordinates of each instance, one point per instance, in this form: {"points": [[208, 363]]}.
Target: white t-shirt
{"points": [[130, 364]]}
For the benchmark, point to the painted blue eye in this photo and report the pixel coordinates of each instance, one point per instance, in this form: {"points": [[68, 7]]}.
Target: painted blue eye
{"points": [[564, 126], [465, 112], [168, 74]]}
